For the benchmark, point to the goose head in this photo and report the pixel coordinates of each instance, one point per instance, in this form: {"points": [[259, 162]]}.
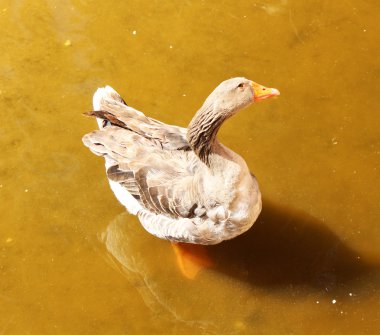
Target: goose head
{"points": [[234, 94], [227, 99]]}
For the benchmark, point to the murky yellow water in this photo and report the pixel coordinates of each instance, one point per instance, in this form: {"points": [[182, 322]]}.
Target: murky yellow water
{"points": [[73, 262]]}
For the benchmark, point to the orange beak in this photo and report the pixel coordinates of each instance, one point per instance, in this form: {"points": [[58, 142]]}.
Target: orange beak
{"points": [[262, 92]]}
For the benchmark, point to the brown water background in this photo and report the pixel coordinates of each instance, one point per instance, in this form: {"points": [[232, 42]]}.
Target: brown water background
{"points": [[71, 260]]}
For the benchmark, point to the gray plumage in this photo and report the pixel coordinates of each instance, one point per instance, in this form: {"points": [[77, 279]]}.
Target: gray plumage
{"points": [[182, 183]]}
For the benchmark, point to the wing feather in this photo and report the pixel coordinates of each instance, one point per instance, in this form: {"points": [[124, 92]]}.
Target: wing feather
{"points": [[114, 110], [150, 159]]}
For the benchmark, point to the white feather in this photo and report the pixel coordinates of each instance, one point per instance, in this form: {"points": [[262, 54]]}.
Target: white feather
{"points": [[125, 198]]}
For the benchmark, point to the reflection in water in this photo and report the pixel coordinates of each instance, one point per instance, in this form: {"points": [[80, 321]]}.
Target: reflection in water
{"points": [[149, 264], [285, 249]]}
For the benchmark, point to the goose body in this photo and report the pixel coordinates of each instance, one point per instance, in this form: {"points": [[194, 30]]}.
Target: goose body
{"points": [[182, 184]]}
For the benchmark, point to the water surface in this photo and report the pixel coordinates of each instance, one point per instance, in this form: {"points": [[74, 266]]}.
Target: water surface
{"points": [[73, 262]]}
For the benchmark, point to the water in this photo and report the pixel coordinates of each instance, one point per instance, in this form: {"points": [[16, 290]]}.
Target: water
{"points": [[71, 260]]}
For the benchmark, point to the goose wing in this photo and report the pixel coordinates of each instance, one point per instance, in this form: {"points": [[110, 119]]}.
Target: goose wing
{"points": [[162, 181], [112, 109]]}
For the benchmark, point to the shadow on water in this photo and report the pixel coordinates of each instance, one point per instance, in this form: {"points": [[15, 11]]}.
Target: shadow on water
{"points": [[285, 249], [288, 247]]}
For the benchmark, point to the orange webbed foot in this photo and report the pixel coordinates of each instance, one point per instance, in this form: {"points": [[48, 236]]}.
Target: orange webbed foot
{"points": [[191, 258]]}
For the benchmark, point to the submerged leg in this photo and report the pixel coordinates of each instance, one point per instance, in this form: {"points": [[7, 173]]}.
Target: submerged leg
{"points": [[191, 258]]}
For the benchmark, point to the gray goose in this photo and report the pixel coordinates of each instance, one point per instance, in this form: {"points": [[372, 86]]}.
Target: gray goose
{"points": [[183, 184]]}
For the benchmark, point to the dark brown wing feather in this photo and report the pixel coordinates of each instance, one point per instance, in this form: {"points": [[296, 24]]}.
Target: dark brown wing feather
{"points": [[150, 159], [159, 179], [119, 114], [158, 193]]}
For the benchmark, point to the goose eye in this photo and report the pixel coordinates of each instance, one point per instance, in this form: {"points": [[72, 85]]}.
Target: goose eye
{"points": [[241, 85]]}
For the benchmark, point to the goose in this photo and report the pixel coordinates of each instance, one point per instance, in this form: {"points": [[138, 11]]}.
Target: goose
{"points": [[181, 183]]}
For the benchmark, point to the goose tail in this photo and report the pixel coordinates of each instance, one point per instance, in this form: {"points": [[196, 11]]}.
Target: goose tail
{"points": [[101, 95]]}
